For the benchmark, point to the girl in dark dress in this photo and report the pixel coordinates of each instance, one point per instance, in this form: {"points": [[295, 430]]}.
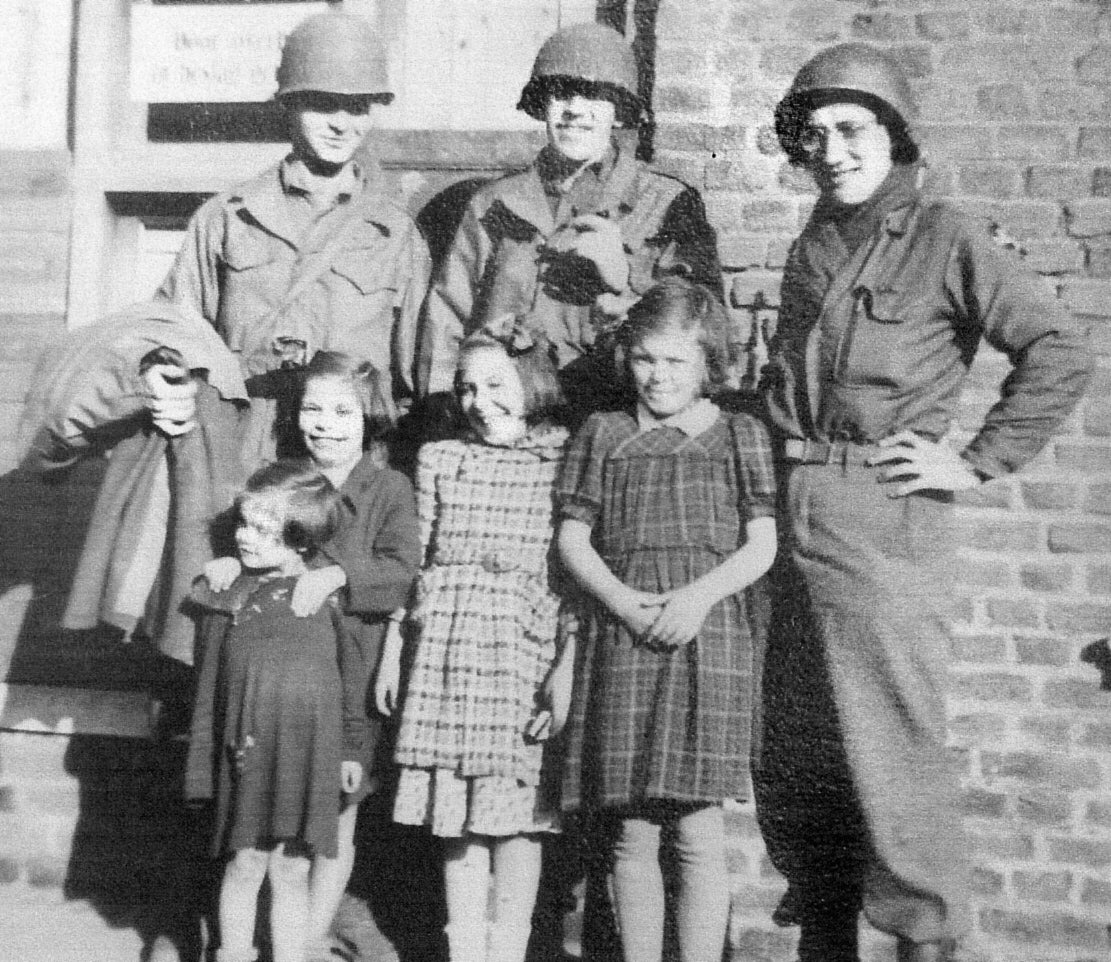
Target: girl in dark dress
{"points": [[268, 741], [666, 518], [369, 563]]}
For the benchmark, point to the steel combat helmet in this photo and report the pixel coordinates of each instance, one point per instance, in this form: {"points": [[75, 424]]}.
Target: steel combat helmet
{"points": [[592, 58], [336, 53], [857, 73]]}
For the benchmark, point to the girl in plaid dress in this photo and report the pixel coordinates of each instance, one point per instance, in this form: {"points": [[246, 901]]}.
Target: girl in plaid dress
{"points": [[666, 517], [470, 741]]}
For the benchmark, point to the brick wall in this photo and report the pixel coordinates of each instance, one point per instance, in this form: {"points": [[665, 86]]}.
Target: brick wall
{"points": [[1016, 124]]}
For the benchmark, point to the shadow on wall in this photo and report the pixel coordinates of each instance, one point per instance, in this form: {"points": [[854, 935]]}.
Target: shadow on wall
{"points": [[129, 846]]}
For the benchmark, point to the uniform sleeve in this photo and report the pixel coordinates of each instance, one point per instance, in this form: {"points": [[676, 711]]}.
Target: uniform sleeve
{"points": [[755, 467], [382, 561], [414, 269], [578, 492], [691, 243], [451, 303], [194, 279], [356, 661], [1048, 350]]}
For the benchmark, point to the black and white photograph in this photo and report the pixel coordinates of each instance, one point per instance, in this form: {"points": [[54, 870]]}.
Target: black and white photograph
{"points": [[555, 481]]}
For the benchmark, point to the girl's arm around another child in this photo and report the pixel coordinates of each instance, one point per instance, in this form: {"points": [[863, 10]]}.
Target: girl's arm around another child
{"points": [[376, 553]]}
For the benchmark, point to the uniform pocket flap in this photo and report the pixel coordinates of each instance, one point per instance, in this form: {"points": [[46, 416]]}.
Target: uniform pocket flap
{"points": [[244, 249], [363, 269], [885, 305]]}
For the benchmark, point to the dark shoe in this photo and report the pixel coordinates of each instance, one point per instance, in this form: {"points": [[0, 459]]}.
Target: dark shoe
{"points": [[830, 938]]}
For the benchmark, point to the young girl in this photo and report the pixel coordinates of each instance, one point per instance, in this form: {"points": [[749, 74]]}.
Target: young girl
{"points": [[371, 559], [484, 628], [665, 518], [267, 739]]}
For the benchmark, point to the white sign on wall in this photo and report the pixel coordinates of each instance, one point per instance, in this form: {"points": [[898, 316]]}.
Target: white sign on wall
{"points": [[454, 64], [460, 65], [222, 53]]}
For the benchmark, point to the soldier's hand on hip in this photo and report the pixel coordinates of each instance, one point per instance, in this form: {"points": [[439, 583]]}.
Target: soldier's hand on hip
{"points": [[919, 464]]}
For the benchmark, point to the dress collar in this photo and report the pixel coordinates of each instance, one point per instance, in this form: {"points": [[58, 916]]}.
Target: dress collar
{"points": [[544, 440], [692, 421]]}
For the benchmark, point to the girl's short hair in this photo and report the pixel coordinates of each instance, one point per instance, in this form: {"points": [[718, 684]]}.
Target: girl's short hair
{"points": [[533, 355], [302, 500], [369, 384], [676, 304]]}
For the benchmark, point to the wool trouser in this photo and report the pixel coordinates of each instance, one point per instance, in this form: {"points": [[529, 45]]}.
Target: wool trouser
{"points": [[857, 793]]}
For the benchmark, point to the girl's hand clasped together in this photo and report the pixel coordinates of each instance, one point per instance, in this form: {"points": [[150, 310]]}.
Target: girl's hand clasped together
{"points": [[666, 520]]}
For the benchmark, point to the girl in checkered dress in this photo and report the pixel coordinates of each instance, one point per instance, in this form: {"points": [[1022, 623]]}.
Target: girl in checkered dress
{"points": [[666, 517], [470, 741]]}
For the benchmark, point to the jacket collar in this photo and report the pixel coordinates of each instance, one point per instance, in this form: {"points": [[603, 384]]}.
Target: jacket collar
{"points": [[264, 198], [296, 178], [365, 471], [526, 197]]}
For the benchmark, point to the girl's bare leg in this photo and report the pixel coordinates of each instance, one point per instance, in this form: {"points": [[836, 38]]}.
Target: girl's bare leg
{"points": [[330, 877], [289, 911], [702, 906], [516, 878], [238, 910], [638, 886], [466, 885]]}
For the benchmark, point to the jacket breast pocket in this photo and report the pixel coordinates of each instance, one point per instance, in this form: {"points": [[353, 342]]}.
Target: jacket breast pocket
{"points": [[879, 345], [359, 316], [246, 249]]}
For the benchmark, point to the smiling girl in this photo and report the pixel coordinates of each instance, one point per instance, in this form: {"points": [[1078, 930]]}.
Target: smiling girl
{"points": [[569, 244], [267, 742], [484, 626], [368, 566]]}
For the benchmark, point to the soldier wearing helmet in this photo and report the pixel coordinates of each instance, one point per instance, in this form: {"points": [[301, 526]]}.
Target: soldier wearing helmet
{"points": [[886, 296], [569, 244], [313, 254]]}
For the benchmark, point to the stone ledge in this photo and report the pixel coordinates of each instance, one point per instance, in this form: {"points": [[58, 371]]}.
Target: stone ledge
{"points": [[48, 710]]}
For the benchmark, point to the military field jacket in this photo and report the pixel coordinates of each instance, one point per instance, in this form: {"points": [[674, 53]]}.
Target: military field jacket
{"points": [[891, 343], [498, 262], [245, 251]]}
